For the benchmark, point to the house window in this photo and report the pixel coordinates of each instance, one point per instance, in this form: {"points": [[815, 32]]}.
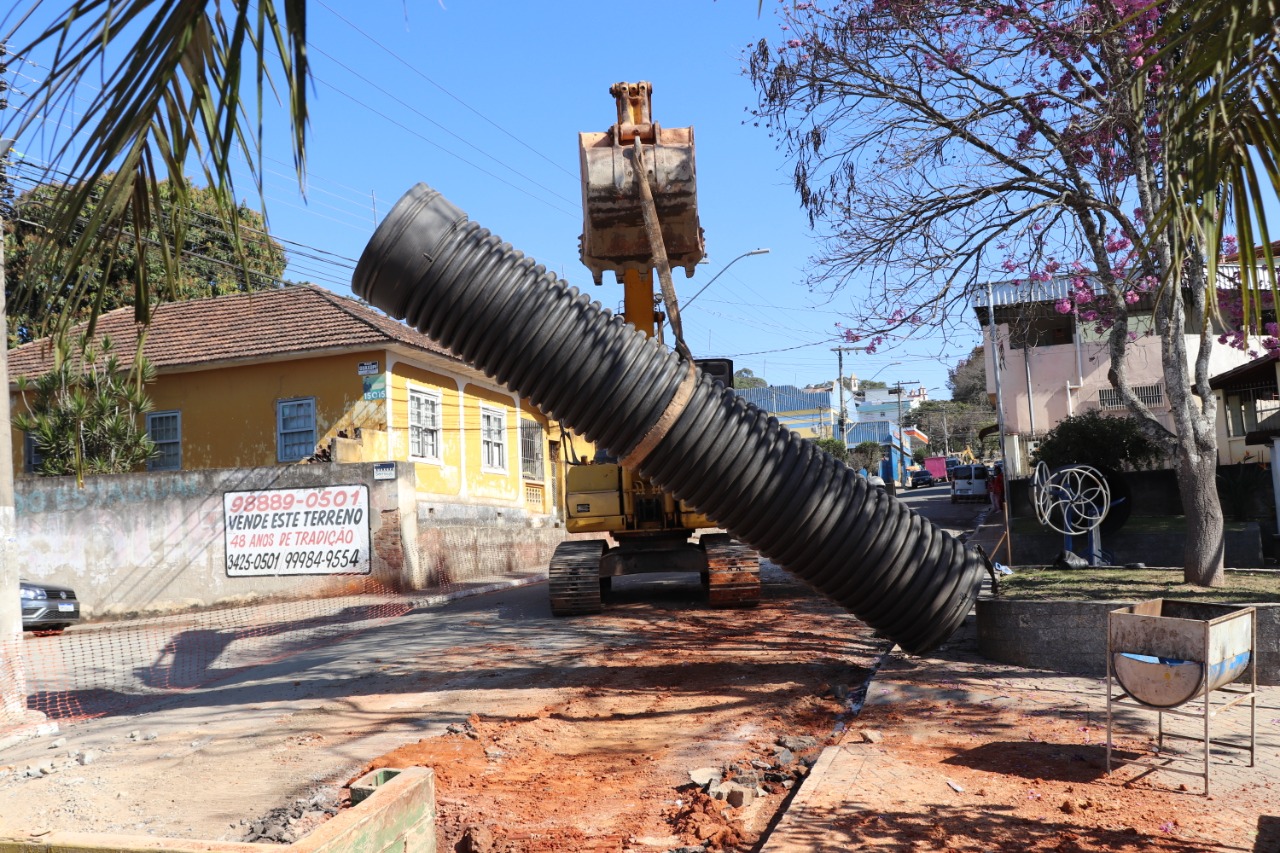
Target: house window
{"points": [[31, 455], [165, 430], [1152, 396], [295, 429], [531, 450], [1247, 407], [424, 425], [1054, 330], [493, 439]]}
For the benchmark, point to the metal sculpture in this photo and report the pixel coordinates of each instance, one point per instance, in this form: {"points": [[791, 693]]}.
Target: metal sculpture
{"points": [[1073, 501]]}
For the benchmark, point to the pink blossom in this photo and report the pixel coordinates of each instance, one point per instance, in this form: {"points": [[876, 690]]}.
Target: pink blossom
{"points": [[1062, 306]]}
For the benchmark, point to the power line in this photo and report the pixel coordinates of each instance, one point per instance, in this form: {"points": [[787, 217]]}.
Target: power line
{"points": [[432, 121], [412, 68], [437, 145], [331, 271]]}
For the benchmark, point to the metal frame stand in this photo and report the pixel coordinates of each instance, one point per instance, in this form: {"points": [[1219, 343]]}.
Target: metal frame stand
{"points": [[1206, 712]]}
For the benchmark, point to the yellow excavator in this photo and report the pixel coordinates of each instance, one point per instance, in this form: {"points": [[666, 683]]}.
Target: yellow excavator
{"points": [[640, 214]]}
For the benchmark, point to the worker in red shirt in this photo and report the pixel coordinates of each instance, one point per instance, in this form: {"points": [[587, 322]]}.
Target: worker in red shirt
{"points": [[996, 487]]}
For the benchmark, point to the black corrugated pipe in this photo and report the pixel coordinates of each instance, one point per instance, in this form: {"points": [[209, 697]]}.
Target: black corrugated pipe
{"points": [[797, 505]]}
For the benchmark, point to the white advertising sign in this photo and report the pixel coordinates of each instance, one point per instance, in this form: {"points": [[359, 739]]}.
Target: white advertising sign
{"points": [[316, 531]]}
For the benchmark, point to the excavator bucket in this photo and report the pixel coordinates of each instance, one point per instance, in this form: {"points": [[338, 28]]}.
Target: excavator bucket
{"points": [[613, 229]]}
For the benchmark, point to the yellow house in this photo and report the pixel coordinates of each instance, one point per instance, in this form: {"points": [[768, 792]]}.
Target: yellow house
{"points": [[284, 376]]}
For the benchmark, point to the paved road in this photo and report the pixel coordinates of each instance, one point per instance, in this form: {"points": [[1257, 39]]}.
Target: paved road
{"points": [[262, 736], [934, 503]]}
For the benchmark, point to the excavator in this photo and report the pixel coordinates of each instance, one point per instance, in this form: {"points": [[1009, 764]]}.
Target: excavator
{"points": [[640, 217]]}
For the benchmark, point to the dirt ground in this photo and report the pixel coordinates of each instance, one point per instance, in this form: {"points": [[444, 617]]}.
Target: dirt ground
{"points": [[606, 767], [982, 778], [591, 746]]}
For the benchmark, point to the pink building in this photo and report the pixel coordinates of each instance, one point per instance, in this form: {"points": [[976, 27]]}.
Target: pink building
{"points": [[1053, 366]]}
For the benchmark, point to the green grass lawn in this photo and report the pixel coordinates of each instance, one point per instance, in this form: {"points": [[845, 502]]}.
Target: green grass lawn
{"points": [[1135, 585]]}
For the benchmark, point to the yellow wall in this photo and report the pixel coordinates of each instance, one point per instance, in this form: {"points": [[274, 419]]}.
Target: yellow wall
{"points": [[539, 496], [460, 472], [482, 483], [229, 414], [228, 420], [444, 477]]}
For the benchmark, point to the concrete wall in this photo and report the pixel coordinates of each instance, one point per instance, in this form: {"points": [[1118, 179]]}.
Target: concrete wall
{"points": [[1244, 491], [1071, 636], [154, 543], [398, 817], [1243, 548]]}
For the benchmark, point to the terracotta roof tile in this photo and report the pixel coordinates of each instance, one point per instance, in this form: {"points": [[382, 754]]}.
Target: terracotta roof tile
{"points": [[292, 321]]}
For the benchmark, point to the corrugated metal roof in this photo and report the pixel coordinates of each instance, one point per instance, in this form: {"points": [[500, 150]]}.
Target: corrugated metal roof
{"points": [[785, 398], [880, 431], [1023, 292]]}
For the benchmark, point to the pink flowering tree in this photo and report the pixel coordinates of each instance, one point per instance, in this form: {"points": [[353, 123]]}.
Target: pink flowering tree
{"points": [[940, 145]]}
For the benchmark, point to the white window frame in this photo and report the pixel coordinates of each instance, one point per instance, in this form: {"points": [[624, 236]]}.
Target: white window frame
{"points": [[534, 435], [493, 450], [436, 430], [281, 432], [177, 416]]}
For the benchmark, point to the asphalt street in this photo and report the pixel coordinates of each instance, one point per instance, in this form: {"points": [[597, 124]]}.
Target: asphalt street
{"points": [[934, 503]]}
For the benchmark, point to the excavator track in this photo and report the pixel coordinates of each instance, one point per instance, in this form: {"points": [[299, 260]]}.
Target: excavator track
{"points": [[574, 577], [733, 572]]}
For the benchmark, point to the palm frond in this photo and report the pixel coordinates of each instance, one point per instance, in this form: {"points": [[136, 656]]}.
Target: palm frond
{"points": [[1221, 128], [174, 96]]}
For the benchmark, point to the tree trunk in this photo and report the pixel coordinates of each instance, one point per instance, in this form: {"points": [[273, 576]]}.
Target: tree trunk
{"points": [[1205, 546]]}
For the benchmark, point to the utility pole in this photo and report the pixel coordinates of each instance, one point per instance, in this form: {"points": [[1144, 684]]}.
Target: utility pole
{"points": [[995, 363], [13, 689], [946, 434], [840, 418], [902, 449]]}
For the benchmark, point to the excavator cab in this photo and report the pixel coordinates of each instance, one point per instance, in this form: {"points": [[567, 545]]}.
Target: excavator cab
{"points": [[654, 532]]}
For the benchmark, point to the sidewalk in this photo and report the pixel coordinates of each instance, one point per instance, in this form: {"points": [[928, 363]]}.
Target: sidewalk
{"points": [[113, 666], [953, 751]]}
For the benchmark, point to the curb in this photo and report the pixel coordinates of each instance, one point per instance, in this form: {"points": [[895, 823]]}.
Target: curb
{"points": [[497, 586]]}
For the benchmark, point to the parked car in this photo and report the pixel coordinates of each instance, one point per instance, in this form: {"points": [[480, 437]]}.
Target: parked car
{"points": [[952, 464], [47, 607], [920, 478], [969, 482]]}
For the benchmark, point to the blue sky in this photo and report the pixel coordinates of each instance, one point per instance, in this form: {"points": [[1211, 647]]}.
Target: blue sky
{"points": [[484, 101]]}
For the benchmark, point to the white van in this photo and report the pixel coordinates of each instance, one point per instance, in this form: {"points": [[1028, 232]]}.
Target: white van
{"points": [[969, 483]]}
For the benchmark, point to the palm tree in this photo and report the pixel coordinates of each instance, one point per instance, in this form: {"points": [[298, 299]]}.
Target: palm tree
{"points": [[174, 78], [1222, 129]]}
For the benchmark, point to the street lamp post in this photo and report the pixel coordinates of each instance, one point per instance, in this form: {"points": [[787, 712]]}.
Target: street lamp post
{"points": [[722, 269]]}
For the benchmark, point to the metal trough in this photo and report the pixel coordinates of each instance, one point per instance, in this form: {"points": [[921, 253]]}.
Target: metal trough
{"points": [[1164, 653]]}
